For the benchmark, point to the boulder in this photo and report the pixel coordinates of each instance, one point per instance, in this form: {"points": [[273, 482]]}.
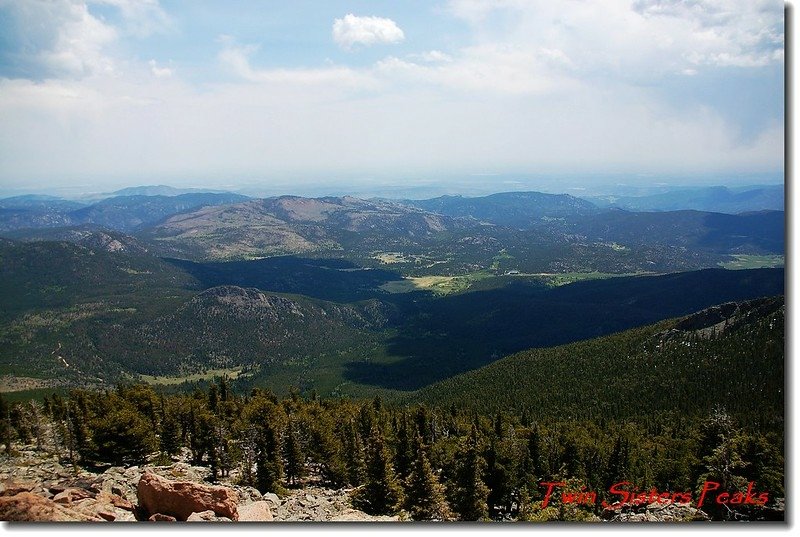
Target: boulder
{"points": [[255, 512], [94, 508], [207, 516], [117, 501], [72, 495], [12, 488], [182, 498], [28, 507], [274, 498]]}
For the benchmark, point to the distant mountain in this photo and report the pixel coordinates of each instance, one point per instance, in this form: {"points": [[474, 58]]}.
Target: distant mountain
{"points": [[162, 190], [33, 201], [291, 225], [89, 236], [515, 209], [718, 199], [731, 355], [755, 233], [126, 213], [34, 211], [121, 213]]}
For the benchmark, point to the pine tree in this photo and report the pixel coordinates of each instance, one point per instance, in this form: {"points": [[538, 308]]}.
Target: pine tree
{"points": [[168, 437], [295, 458], [123, 436], [269, 463], [354, 458], [79, 434], [213, 398], [382, 493], [328, 450], [617, 462], [471, 492], [501, 475], [425, 495], [404, 454]]}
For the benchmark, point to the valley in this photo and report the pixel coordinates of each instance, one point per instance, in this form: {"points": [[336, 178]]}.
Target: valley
{"points": [[348, 296]]}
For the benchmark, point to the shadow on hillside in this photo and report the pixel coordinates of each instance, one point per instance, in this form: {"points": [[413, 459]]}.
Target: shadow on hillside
{"points": [[451, 335]]}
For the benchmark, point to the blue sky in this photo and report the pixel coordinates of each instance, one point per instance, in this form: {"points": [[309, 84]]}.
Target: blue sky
{"points": [[115, 92]]}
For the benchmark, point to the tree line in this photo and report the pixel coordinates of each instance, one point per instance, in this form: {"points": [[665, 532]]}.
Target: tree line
{"points": [[426, 462]]}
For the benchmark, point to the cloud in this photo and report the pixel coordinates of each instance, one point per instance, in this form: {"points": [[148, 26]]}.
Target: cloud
{"points": [[63, 38], [431, 56], [530, 87], [236, 58], [352, 30], [486, 68], [641, 39], [53, 39], [159, 72]]}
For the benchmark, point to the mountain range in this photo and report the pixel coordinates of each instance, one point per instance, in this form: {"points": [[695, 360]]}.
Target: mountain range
{"points": [[346, 295]]}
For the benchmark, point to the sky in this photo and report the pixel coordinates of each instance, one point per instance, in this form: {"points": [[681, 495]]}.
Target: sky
{"points": [[108, 93]]}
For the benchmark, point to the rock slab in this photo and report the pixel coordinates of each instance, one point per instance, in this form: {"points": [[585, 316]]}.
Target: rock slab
{"points": [[182, 498], [29, 507], [255, 512]]}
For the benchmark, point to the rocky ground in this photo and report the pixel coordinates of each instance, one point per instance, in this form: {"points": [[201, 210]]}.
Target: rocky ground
{"points": [[35, 486]]}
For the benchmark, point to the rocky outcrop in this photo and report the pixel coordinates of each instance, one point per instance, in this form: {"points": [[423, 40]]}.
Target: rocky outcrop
{"points": [[318, 504], [29, 507], [654, 512], [34, 486], [255, 512], [182, 498], [207, 516]]}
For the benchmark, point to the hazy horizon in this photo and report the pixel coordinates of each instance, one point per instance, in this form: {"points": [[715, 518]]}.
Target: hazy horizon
{"points": [[575, 185]]}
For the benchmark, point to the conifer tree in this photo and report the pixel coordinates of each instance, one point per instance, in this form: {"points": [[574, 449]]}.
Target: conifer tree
{"points": [[328, 450], [168, 437], [269, 463], [471, 492], [295, 458], [425, 495], [213, 398], [382, 493], [404, 452], [354, 457], [617, 462], [123, 436]]}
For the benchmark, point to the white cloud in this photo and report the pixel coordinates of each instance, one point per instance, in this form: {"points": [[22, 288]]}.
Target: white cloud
{"points": [[62, 38], [636, 38], [548, 88], [159, 72], [431, 56], [352, 30], [237, 58], [55, 38]]}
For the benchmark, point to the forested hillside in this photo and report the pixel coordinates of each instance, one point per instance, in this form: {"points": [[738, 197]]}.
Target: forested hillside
{"points": [[735, 360]]}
